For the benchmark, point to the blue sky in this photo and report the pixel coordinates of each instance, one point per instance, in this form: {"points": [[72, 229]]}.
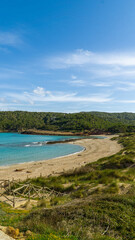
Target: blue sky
{"points": [[67, 55]]}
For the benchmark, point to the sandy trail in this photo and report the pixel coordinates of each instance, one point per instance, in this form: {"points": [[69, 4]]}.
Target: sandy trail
{"points": [[4, 236], [94, 149]]}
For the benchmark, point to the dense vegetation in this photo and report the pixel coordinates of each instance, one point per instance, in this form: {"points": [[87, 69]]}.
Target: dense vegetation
{"points": [[97, 201], [94, 122]]}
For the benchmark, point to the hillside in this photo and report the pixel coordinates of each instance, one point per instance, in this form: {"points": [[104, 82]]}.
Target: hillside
{"points": [[92, 122], [93, 202]]}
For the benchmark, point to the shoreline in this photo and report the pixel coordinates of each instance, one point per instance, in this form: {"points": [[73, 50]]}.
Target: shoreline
{"points": [[17, 164], [62, 133], [94, 149]]}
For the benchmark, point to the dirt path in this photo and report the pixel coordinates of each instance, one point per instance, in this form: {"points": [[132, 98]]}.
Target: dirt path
{"points": [[4, 236], [19, 202]]}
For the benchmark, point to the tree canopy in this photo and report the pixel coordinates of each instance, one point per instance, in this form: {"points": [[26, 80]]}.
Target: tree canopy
{"points": [[75, 122]]}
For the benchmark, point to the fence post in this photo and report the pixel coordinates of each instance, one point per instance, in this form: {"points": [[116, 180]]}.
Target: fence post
{"points": [[13, 200]]}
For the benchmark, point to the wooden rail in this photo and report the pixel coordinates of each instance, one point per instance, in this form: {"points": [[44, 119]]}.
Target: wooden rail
{"points": [[27, 191]]}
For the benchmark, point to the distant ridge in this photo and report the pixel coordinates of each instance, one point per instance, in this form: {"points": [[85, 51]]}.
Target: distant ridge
{"points": [[84, 122]]}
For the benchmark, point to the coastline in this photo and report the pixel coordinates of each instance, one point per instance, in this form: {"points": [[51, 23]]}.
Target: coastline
{"points": [[93, 150], [18, 164], [61, 133]]}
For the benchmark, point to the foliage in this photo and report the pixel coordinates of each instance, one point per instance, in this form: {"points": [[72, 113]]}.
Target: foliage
{"points": [[94, 122], [9, 216]]}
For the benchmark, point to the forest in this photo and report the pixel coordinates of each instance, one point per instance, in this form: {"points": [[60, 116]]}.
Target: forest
{"points": [[91, 122]]}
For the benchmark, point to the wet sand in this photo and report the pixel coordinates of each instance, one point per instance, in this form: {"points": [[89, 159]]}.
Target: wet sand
{"points": [[94, 149]]}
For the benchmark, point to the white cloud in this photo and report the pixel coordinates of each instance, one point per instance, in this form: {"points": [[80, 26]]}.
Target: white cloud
{"points": [[74, 77], [99, 65], [79, 57], [83, 57], [78, 82], [40, 96], [126, 86], [112, 71], [39, 91], [126, 101], [72, 98], [9, 73], [9, 39], [101, 84]]}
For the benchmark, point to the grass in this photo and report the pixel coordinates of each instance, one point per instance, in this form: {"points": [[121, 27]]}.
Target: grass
{"points": [[10, 216], [115, 213], [51, 236]]}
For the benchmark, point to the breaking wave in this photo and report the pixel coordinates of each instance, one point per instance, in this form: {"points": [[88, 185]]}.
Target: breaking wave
{"points": [[36, 144]]}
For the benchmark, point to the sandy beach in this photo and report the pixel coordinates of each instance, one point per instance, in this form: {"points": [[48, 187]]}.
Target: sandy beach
{"points": [[94, 149]]}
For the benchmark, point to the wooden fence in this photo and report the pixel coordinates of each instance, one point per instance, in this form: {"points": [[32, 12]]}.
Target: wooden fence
{"points": [[24, 190]]}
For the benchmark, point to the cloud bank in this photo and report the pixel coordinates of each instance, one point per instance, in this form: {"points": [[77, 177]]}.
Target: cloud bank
{"points": [[98, 64]]}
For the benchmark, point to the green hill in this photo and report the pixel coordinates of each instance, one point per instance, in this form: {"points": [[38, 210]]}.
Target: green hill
{"points": [[94, 122]]}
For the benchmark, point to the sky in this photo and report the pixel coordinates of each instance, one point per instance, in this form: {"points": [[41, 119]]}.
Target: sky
{"points": [[67, 55]]}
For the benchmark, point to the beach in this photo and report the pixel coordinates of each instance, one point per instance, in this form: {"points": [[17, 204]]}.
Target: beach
{"points": [[94, 149]]}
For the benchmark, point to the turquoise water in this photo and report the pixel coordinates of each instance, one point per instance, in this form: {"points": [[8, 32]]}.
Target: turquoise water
{"points": [[19, 148]]}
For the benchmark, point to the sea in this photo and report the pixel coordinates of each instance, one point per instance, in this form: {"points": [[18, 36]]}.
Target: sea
{"points": [[19, 148]]}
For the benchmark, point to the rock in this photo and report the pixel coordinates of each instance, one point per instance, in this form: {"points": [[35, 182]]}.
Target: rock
{"points": [[19, 169]]}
